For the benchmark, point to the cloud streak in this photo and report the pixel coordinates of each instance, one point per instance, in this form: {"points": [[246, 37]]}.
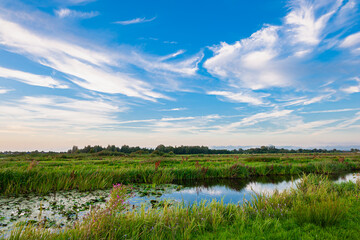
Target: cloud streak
{"points": [[240, 97], [333, 110], [89, 69], [46, 113], [257, 118], [135, 21], [31, 79], [5, 90], [354, 88], [68, 13]]}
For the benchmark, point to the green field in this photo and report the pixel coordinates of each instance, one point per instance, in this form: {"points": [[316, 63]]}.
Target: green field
{"points": [[317, 209], [45, 172]]}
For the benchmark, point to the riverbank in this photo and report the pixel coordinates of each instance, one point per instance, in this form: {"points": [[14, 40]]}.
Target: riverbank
{"points": [[317, 209]]}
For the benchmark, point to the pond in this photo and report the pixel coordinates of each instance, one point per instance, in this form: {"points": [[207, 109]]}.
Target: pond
{"points": [[64, 208]]}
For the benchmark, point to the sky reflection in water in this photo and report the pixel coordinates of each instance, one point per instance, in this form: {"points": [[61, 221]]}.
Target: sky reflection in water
{"points": [[234, 191]]}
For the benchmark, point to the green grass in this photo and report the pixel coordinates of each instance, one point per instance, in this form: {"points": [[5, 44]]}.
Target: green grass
{"points": [[316, 209], [44, 173]]}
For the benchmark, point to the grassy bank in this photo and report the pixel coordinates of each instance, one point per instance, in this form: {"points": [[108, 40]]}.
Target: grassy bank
{"points": [[317, 209], [54, 172]]}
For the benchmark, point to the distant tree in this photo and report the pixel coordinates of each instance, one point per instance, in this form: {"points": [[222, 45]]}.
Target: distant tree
{"points": [[75, 149]]}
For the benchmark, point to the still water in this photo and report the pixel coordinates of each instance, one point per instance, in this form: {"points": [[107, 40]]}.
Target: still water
{"points": [[233, 190]]}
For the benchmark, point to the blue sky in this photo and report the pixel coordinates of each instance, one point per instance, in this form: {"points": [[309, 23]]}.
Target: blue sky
{"points": [[244, 73]]}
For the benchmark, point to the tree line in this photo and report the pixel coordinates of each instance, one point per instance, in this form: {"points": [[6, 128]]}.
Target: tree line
{"points": [[169, 150], [194, 150]]}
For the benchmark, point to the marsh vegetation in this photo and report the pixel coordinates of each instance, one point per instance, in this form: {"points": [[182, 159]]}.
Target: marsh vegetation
{"points": [[46, 173], [316, 208], [155, 199]]}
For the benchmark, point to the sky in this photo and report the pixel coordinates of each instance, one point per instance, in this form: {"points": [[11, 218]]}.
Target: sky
{"points": [[213, 73]]}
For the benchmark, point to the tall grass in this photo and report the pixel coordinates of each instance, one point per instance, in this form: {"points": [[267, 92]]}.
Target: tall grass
{"points": [[316, 202], [43, 175]]}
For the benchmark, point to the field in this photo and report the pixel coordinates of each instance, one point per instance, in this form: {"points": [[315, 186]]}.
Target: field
{"points": [[43, 173], [317, 209]]}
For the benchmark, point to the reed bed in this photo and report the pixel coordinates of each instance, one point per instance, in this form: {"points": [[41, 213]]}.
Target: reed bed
{"points": [[51, 173]]}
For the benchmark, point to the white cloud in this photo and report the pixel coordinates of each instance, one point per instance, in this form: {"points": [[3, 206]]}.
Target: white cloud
{"points": [[98, 69], [283, 56], [352, 89], [304, 25], [348, 123], [65, 13], [89, 69], [250, 63], [351, 40], [173, 109], [45, 113], [246, 122], [302, 127], [334, 110], [160, 65], [259, 117], [31, 79], [5, 90], [135, 20], [172, 55], [185, 124], [308, 101], [240, 97]]}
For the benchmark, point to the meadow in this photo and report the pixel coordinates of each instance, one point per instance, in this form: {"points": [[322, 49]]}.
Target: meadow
{"points": [[316, 208], [44, 173]]}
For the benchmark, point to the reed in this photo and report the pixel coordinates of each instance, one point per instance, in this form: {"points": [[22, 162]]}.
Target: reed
{"points": [[44, 174]]}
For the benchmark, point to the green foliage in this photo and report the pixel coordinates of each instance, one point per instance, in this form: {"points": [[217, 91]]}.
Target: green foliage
{"points": [[44, 173], [262, 159]]}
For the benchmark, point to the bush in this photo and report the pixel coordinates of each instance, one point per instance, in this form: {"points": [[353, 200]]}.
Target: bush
{"points": [[109, 153], [156, 153]]}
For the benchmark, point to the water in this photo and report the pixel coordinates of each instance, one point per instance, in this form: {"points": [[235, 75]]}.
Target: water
{"points": [[234, 190], [57, 210], [64, 208]]}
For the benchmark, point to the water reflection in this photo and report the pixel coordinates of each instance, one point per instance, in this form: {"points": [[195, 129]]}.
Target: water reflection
{"points": [[353, 177], [235, 190]]}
